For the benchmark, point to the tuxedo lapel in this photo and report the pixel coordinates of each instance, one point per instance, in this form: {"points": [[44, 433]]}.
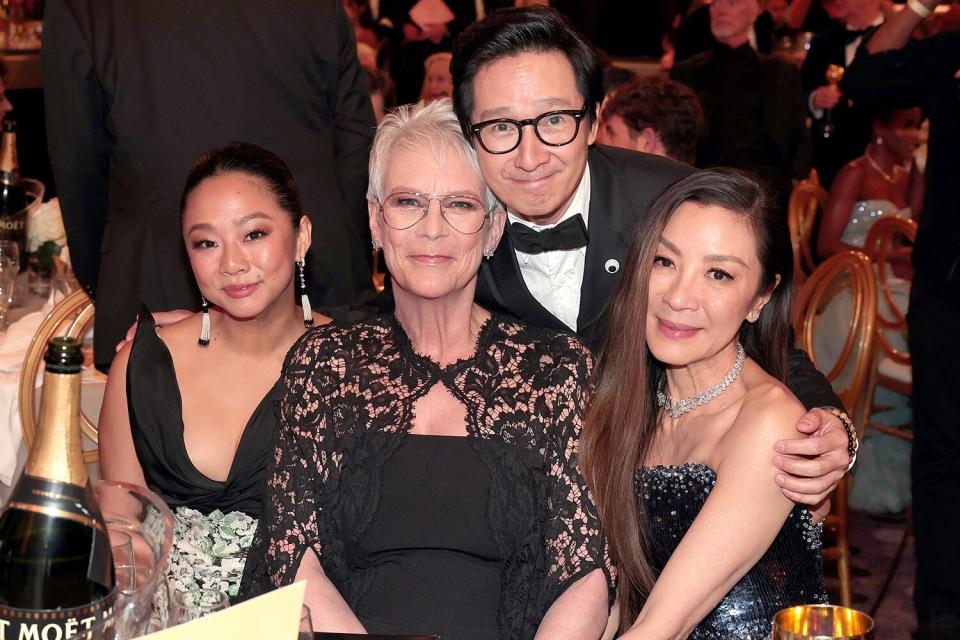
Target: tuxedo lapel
{"points": [[502, 284], [609, 223]]}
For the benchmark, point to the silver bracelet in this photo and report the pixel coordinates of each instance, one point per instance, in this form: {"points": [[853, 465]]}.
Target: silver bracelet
{"points": [[917, 7]]}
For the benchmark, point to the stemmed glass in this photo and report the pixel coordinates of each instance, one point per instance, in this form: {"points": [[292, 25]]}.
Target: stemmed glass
{"points": [[306, 624], [9, 267], [196, 603]]}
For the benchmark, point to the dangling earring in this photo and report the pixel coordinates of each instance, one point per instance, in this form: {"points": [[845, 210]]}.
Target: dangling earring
{"points": [[204, 340], [304, 299]]}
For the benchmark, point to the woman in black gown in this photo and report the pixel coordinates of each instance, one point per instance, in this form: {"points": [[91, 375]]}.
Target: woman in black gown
{"points": [[195, 422], [426, 474], [690, 399]]}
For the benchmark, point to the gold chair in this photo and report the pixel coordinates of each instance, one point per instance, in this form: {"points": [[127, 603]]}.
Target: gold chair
{"points": [[850, 375], [806, 201], [888, 237], [71, 317]]}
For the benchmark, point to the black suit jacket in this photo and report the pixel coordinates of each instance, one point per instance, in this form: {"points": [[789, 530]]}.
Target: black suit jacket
{"points": [[623, 184], [853, 126], [136, 89], [783, 125]]}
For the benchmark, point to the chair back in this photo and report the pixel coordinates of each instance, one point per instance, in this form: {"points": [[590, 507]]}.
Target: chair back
{"points": [[70, 317], [806, 201], [888, 237], [850, 374]]}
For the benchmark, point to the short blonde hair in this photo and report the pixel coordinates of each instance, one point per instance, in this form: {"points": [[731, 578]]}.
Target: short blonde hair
{"points": [[427, 126]]}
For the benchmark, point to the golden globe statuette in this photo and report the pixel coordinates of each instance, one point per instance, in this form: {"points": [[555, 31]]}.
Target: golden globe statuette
{"points": [[822, 622], [834, 76]]}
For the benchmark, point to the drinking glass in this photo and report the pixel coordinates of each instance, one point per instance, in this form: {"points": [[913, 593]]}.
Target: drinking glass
{"points": [[196, 603], [822, 622], [123, 561], [306, 624], [144, 517], [9, 267]]}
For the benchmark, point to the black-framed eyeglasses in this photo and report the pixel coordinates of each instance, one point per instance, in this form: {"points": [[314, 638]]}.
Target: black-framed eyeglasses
{"points": [[553, 128], [403, 209]]}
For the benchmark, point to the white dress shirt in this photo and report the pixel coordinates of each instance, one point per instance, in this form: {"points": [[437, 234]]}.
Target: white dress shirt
{"points": [[554, 278]]}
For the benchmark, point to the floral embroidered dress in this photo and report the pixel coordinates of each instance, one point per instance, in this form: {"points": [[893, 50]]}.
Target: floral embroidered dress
{"points": [[466, 537]]}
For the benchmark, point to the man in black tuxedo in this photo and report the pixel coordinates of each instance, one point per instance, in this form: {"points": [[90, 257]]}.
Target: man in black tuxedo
{"points": [[137, 89], [851, 126], [752, 107], [518, 75]]}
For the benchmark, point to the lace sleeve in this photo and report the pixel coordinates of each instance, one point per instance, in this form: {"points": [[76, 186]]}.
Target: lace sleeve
{"points": [[574, 542], [289, 524]]}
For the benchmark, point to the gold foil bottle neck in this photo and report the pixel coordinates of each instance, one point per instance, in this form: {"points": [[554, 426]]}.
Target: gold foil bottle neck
{"points": [[9, 163], [57, 453]]}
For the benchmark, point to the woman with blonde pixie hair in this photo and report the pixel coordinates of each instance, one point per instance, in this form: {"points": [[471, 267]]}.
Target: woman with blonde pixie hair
{"points": [[426, 476]]}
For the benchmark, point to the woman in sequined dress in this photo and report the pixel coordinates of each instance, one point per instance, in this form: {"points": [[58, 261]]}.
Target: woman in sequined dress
{"points": [[884, 181], [706, 546]]}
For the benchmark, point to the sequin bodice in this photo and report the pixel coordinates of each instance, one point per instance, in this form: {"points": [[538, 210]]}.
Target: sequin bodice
{"points": [[788, 574], [862, 217]]}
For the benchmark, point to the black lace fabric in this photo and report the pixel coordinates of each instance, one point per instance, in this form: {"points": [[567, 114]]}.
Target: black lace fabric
{"points": [[348, 401]]}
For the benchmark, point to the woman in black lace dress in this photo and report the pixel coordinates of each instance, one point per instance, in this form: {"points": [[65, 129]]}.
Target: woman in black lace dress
{"points": [[425, 476], [690, 399]]}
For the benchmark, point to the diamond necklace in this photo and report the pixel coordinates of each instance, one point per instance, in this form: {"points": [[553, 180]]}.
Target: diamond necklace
{"points": [[665, 402]]}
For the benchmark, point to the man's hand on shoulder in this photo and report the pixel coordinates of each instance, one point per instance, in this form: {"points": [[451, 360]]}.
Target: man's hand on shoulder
{"points": [[812, 466], [161, 318]]}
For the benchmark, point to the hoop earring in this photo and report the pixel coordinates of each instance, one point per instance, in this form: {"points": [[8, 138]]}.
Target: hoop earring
{"points": [[204, 340], [304, 299]]}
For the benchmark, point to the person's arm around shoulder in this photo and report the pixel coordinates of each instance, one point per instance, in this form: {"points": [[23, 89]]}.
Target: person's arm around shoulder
{"points": [[844, 193], [118, 456], [736, 526]]}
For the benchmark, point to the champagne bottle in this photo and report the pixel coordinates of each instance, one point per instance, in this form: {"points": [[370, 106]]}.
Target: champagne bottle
{"points": [[13, 196], [56, 565]]}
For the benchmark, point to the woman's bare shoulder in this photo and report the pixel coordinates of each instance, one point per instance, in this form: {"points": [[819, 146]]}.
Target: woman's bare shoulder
{"points": [[769, 412]]}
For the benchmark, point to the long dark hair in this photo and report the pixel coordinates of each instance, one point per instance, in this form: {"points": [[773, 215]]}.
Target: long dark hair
{"points": [[623, 416]]}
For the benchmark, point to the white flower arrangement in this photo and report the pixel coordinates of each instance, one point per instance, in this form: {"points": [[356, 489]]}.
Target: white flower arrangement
{"points": [[45, 224], [209, 551]]}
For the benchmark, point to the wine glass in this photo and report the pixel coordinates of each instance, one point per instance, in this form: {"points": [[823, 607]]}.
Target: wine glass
{"points": [[123, 561], [306, 624], [9, 267], [196, 603]]}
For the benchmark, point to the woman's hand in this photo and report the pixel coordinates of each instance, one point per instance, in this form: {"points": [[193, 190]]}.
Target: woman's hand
{"points": [[812, 466]]}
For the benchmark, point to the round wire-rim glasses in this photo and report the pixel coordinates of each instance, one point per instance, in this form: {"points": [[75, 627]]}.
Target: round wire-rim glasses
{"points": [[404, 209], [562, 132]]}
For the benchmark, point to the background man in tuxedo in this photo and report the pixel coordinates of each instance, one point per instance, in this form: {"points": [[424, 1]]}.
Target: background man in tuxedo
{"points": [[852, 126], [137, 89], [519, 76]]}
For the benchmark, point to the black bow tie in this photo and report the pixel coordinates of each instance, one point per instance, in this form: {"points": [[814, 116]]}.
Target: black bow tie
{"points": [[569, 234]]}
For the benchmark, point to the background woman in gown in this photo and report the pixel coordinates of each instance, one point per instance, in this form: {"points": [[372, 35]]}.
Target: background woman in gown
{"points": [[195, 423], [885, 180], [682, 423], [426, 475]]}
